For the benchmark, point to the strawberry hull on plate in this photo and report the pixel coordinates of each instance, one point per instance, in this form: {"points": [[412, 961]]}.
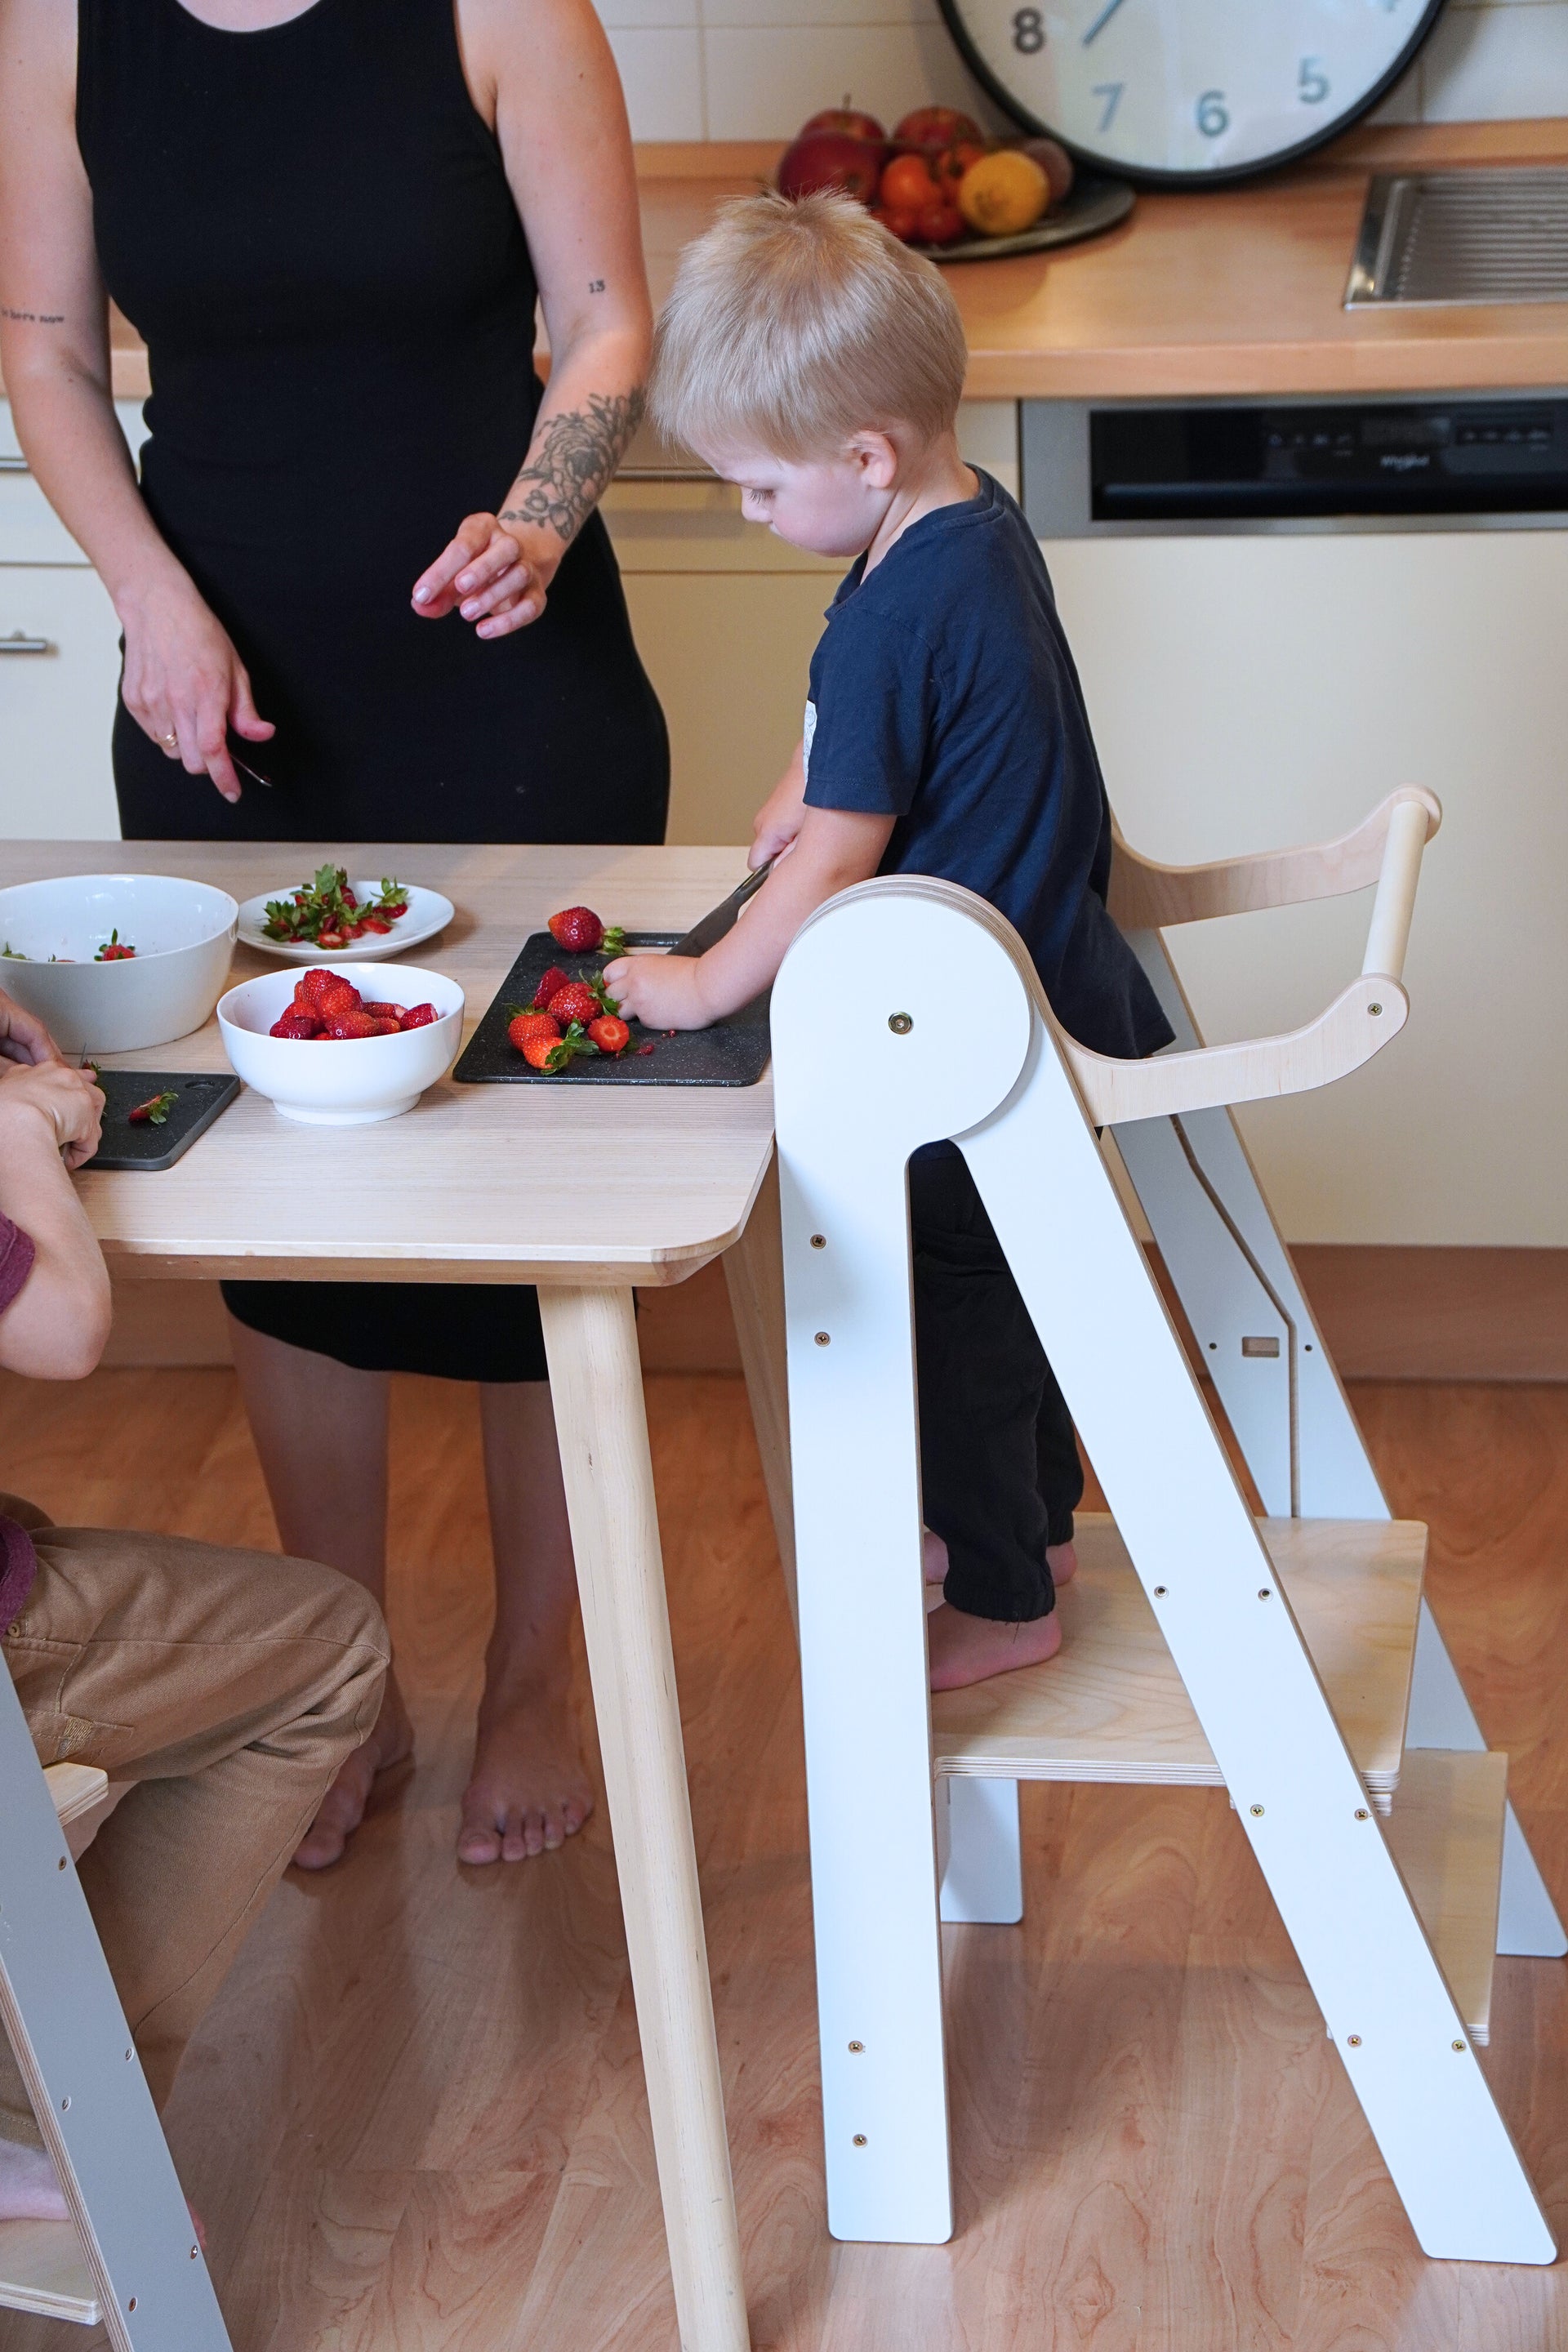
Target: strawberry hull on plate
{"points": [[372, 1070]]}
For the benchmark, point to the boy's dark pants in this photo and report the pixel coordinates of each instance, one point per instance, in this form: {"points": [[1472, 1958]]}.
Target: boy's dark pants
{"points": [[999, 1465]]}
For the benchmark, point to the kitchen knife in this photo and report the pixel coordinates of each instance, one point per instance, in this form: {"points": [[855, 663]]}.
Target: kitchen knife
{"points": [[722, 919]]}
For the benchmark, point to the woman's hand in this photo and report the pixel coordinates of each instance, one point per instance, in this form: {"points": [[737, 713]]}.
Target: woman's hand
{"points": [[64, 1097], [485, 573], [22, 1037], [662, 991], [185, 685], [779, 819]]}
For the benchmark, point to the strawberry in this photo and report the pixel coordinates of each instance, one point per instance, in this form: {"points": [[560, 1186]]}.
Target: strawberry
{"points": [[310, 985], [296, 1023], [610, 1036], [385, 1028], [384, 1011], [579, 929], [419, 1016], [575, 1002], [154, 1111], [336, 998], [553, 979], [541, 1053], [531, 1025], [355, 1023]]}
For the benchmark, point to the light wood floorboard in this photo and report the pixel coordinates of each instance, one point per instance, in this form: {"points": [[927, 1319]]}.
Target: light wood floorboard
{"points": [[414, 2121]]}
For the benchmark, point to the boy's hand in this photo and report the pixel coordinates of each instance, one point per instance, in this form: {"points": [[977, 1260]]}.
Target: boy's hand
{"points": [[65, 1098], [779, 819], [661, 990]]}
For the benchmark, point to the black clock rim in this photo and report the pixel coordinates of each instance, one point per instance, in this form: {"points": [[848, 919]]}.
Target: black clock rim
{"points": [[1145, 175]]}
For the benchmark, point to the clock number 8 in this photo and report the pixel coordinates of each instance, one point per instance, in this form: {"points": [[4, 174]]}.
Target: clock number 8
{"points": [[1212, 118], [1028, 31]]}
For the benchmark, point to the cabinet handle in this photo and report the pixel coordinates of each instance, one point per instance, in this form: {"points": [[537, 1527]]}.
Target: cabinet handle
{"points": [[18, 643], [666, 474], [12, 463]]}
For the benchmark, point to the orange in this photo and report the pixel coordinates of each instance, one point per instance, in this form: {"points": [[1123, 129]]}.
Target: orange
{"points": [[908, 185]]}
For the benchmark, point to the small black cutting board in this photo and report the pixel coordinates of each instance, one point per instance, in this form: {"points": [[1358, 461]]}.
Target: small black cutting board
{"points": [[734, 1053], [199, 1096]]}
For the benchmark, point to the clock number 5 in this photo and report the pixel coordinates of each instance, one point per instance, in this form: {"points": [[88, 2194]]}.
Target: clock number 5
{"points": [[1212, 118], [1028, 32], [1312, 82]]}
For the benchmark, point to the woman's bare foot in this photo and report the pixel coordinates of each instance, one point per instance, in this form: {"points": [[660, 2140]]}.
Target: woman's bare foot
{"points": [[1060, 1559], [527, 1792], [29, 2188], [964, 1649], [343, 1807]]}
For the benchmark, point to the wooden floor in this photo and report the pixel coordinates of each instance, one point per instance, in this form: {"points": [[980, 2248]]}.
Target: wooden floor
{"points": [[415, 2120]]}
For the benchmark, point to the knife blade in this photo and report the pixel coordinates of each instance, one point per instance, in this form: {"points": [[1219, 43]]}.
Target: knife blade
{"points": [[720, 919]]}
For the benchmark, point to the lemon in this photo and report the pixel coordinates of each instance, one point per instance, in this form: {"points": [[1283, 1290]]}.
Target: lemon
{"points": [[1004, 193]]}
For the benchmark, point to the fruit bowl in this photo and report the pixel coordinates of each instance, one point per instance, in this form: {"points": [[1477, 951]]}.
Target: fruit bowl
{"points": [[343, 1081], [183, 933]]}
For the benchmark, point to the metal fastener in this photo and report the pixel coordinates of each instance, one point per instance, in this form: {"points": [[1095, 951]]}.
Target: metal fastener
{"points": [[819, 1241], [196, 2253], [64, 2105], [1264, 1593], [1362, 1814], [1375, 1008], [1353, 2040], [61, 1863], [824, 1339], [899, 1023], [859, 2139], [1458, 2046], [1159, 1592], [857, 2045], [1256, 1810], [132, 2304]]}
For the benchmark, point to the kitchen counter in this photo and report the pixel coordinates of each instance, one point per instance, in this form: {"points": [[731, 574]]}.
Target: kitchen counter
{"points": [[1237, 289]]}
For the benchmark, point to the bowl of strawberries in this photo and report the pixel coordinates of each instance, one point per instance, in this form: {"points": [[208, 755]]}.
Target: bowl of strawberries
{"points": [[340, 1051]]}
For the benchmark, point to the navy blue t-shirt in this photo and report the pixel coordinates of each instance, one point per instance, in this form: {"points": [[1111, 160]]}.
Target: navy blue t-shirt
{"points": [[944, 695]]}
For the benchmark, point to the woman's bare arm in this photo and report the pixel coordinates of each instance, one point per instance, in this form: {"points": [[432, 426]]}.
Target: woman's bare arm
{"points": [[56, 1327], [183, 684], [544, 73]]}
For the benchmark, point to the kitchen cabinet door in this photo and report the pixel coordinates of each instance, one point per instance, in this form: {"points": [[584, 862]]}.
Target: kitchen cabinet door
{"points": [[60, 675]]}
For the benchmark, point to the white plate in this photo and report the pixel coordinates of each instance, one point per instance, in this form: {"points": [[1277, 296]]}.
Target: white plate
{"points": [[428, 913]]}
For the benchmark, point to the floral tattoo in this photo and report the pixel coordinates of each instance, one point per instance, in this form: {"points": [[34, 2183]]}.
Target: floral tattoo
{"points": [[570, 469]]}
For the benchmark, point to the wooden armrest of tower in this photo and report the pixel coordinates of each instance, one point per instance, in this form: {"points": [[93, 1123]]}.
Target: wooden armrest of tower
{"points": [[1146, 896]]}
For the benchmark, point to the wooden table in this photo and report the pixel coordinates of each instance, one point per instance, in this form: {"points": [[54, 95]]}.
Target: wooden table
{"points": [[585, 1191]]}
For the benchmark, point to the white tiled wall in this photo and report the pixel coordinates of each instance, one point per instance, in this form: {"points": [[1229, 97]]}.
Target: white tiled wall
{"points": [[756, 68]]}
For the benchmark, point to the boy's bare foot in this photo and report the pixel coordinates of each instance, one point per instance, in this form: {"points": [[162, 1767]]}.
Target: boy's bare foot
{"points": [[1060, 1559], [527, 1792], [343, 1807], [964, 1649]]}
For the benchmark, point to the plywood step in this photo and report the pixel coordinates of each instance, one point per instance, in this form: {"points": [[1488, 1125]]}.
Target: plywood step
{"points": [[43, 2269], [1112, 1706], [1445, 1832], [76, 1789]]}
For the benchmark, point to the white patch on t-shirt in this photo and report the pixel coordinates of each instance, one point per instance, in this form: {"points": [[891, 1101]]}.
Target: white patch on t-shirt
{"points": [[808, 730]]}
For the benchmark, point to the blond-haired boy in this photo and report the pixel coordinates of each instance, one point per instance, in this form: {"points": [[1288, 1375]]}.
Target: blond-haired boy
{"points": [[812, 359]]}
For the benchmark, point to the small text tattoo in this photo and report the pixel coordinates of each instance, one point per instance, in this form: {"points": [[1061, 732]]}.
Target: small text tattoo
{"points": [[33, 318], [574, 460], [595, 285]]}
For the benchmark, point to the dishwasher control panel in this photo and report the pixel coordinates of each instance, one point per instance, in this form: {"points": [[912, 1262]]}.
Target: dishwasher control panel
{"points": [[1205, 466]]}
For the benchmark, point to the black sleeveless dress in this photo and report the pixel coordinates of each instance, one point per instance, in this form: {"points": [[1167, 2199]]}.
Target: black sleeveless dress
{"points": [[313, 229]]}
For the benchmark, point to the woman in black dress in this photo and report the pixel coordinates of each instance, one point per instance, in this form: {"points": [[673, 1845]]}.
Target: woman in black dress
{"points": [[365, 553]]}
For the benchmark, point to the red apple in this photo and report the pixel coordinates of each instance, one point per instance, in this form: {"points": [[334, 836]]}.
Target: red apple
{"points": [[934, 126], [939, 224], [850, 119], [831, 159], [1054, 162]]}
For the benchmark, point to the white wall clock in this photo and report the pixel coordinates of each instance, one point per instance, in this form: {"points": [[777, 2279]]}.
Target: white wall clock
{"points": [[1188, 90]]}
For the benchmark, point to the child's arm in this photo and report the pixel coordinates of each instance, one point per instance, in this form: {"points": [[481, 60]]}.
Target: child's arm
{"points": [[778, 820], [56, 1327], [833, 849]]}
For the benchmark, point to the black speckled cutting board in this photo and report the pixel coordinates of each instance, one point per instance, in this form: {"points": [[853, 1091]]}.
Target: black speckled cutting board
{"points": [[734, 1053], [200, 1096]]}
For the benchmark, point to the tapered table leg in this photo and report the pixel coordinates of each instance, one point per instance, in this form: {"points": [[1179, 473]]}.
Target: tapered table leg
{"points": [[753, 1270], [596, 1382]]}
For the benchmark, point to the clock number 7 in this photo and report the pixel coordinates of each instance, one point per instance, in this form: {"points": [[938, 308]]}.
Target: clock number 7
{"points": [[1111, 92]]}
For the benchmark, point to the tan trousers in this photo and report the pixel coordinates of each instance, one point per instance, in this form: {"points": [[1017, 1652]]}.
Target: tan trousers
{"points": [[227, 1686]]}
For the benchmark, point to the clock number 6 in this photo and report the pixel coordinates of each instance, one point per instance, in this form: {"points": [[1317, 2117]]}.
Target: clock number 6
{"points": [[1212, 118], [1028, 31], [1312, 82]]}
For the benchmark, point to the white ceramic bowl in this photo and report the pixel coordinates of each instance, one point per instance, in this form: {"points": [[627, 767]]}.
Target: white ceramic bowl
{"points": [[183, 933], [343, 1081]]}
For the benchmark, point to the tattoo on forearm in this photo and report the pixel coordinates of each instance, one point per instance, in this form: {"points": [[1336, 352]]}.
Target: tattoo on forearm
{"points": [[33, 318], [571, 469]]}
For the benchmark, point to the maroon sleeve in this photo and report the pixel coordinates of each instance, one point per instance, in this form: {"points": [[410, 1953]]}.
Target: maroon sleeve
{"points": [[16, 1255]]}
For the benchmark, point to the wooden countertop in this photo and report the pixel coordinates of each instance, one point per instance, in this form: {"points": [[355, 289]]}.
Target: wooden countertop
{"points": [[1230, 290], [588, 1185]]}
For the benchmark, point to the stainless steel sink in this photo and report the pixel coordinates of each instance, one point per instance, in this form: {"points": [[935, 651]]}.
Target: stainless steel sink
{"points": [[1463, 236]]}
